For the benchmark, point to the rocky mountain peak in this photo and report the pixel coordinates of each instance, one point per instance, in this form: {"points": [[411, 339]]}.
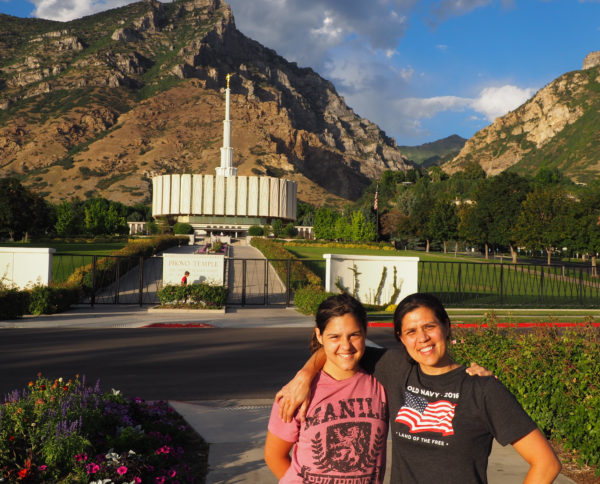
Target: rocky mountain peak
{"points": [[108, 100]]}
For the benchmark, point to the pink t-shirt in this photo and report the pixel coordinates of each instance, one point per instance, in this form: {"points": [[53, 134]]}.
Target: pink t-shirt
{"points": [[344, 435]]}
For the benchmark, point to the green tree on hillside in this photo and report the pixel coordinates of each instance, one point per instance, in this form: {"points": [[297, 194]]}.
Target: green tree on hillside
{"points": [[69, 219]]}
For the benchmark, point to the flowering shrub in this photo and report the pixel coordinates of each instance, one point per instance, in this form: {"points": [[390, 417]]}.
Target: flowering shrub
{"points": [[66, 431], [200, 295], [553, 374], [346, 245]]}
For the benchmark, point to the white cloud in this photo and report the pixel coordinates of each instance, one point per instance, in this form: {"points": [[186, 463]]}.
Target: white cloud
{"points": [[492, 102], [497, 101], [407, 73], [441, 47], [65, 10]]}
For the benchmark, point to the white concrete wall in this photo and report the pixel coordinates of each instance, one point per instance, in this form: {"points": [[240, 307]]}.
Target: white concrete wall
{"points": [[370, 269], [26, 266]]}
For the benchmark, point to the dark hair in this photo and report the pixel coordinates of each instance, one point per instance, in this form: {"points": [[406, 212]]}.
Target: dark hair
{"points": [[335, 306], [419, 300]]}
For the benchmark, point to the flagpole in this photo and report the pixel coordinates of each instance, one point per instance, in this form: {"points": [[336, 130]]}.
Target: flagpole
{"points": [[377, 213]]}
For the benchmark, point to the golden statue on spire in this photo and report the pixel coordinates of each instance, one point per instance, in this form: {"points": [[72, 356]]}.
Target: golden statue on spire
{"points": [[228, 76]]}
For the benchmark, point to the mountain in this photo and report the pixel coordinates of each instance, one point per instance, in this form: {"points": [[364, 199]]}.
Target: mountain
{"points": [[436, 152], [556, 128], [99, 105]]}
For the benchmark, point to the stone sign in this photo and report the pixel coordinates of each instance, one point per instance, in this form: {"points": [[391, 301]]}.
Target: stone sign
{"points": [[378, 280], [202, 268]]}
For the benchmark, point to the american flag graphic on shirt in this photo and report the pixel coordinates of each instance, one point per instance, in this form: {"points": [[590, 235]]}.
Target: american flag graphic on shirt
{"points": [[423, 416]]}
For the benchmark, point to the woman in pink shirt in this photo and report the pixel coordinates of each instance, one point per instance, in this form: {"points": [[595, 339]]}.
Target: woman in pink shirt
{"points": [[344, 433]]}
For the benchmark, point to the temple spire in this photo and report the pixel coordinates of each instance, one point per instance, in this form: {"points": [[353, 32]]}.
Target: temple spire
{"points": [[226, 168]]}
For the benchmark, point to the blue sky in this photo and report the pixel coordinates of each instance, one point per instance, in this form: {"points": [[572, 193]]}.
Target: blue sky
{"points": [[421, 70]]}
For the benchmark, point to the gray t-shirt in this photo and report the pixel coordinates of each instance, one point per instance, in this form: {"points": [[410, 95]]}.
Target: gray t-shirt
{"points": [[442, 426]]}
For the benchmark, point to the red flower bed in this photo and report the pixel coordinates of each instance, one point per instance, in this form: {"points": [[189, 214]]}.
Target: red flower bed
{"points": [[179, 325]]}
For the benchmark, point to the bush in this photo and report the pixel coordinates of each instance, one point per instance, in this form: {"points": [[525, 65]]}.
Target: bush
{"points": [[50, 300], [308, 298], [553, 375], [182, 229], [290, 231], [256, 231], [13, 303], [201, 295]]}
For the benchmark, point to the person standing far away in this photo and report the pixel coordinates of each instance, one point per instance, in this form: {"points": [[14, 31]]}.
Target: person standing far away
{"points": [[185, 278]]}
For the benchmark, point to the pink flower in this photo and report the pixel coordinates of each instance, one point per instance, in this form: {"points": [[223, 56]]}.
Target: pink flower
{"points": [[92, 468], [159, 480], [137, 480], [80, 457], [172, 473], [122, 470], [43, 467]]}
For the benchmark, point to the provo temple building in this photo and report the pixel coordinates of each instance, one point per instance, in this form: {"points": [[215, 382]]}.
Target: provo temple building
{"points": [[225, 203]]}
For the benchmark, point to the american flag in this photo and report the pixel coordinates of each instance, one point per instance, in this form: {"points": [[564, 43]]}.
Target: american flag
{"points": [[375, 203], [423, 416]]}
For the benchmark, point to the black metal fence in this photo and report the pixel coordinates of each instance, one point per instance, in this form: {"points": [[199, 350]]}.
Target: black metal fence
{"points": [[473, 284], [114, 280]]}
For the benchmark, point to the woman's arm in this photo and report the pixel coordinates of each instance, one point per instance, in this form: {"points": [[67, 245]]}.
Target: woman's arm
{"points": [[277, 454], [538, 453], [297, 391]]}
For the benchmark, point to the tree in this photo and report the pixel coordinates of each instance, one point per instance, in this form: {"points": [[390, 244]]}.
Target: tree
{"points": [[95, 212], [362, 230], [277, 228], [114, 222], [69, 221], [443, 222], [542, 222], [498, 201], [421, 209], [343, 229], [471, 227], [324, 226], [305, 214], [22, 211]]}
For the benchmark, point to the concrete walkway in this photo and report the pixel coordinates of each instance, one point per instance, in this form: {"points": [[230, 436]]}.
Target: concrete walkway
{"points": [[235, 429]]}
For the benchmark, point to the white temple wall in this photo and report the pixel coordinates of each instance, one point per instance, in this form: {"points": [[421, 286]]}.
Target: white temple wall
{"points": [[253, 196], [246, 196], [208, 194], [220, 195], [197, 194], [231, 192], [185, 205], [263, 196], [242, 195]]}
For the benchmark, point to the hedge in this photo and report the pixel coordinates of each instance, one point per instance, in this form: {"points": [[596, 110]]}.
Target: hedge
{"points": [[13, 303], [278, 256], [553, 374], [308, 298], [201, 295], [126, 257]]}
